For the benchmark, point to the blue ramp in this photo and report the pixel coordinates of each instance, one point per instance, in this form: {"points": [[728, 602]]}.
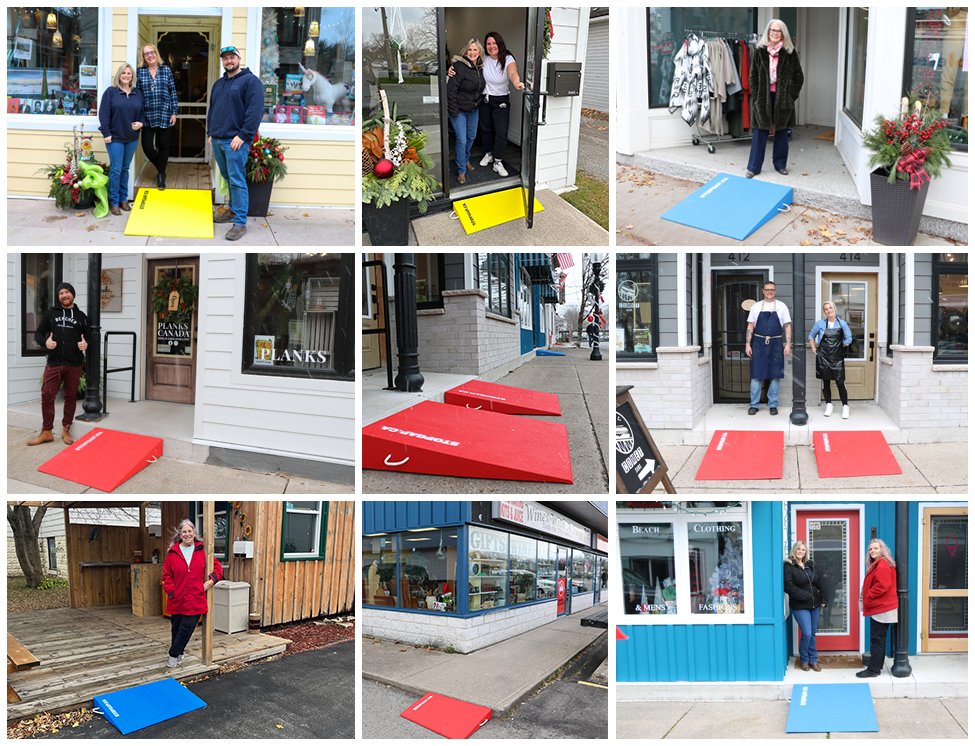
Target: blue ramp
{"points": [[139, 707], [731, 206], [548, 353], [831, 708]]}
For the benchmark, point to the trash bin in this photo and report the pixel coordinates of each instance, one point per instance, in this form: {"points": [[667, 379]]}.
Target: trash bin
{"points": [[231, 605]]}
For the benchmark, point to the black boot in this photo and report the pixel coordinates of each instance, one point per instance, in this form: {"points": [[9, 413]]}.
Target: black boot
{"points": [[161, 180]]}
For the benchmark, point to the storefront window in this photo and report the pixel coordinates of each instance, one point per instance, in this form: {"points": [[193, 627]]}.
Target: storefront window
{"points": [[494, 276], [950, 332], [308, 65], [39, 276], [949, 571], [429, 565], [938, 65], [429, 280], [856, 63], [547, 570], [649, 568], [52, 60], [583, 568], [668, 27], [298, 318], [379, 570], [636, 306], [303, 530], [524, 582], [717, 569], [487, 569]]}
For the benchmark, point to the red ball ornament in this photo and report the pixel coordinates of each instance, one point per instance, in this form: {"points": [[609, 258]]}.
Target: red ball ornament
{"points": [[384, 168], [588, 318]]}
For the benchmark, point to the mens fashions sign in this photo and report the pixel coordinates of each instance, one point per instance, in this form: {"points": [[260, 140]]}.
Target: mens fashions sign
{"points": [[537, 517]]}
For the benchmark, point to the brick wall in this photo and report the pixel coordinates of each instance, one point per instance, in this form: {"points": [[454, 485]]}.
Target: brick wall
{"points": [[673, 393], [930, 400], [61, 550]]}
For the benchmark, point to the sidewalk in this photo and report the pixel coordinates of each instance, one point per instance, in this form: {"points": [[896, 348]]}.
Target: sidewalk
{"points": [[499, 676], [582, 386], [34, 222]]}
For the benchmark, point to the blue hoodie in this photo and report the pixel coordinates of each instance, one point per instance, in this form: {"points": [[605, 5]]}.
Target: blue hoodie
{"points": [[236, 107]]}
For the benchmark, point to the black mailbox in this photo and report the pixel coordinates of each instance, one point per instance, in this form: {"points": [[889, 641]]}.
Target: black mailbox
{"points": [[564, 78]]}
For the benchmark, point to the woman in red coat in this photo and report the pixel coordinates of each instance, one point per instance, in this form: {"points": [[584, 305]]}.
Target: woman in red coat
{"points": [[186, 584], [879, 599]]}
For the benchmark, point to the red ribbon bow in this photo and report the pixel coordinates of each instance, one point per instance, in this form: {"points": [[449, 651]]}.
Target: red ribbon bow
{"points": [[913, 165]]}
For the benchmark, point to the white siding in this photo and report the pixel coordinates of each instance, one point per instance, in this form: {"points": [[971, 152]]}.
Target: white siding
{"points": [[595, 79]]}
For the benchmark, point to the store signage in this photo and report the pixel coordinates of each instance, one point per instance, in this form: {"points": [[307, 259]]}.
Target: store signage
{"points": [[602, 543], [172, 338], [711, 528], [537, 517], [560, 597], [488, 541], [264, 353]]}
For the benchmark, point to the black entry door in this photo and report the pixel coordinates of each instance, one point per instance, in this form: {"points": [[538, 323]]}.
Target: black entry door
{"points": [[529, 113], [728, 323]]}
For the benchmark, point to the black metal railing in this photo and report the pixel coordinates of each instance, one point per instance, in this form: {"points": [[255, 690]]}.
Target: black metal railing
{"points": [[106, 370], [384, 298]]}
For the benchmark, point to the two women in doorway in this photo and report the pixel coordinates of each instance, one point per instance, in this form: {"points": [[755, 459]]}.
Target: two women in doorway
{"points": [[464, 90], [806, 599], [829, 339]]}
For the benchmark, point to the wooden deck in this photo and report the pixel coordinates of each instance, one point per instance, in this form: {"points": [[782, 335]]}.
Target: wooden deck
{"points": [[84, 652], [178, 176]]}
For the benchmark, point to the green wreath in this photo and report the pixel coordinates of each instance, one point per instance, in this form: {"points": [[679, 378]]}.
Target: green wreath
{"points": [[187, 300]]}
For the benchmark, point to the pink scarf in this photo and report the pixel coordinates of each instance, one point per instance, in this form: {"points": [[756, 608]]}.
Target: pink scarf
{"points": [[773, 64]]}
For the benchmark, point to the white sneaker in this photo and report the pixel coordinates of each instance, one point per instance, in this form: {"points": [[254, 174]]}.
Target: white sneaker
{"points": [[846, 411], [499, 169], [486, 160], [172, 662], [180, 659], [829, 410]]}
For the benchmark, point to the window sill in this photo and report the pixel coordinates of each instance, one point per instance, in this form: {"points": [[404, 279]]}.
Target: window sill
{"points": [[497, 317], [951, 366], [636, 365]]}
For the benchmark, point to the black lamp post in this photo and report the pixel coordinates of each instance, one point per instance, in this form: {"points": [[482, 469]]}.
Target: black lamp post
{"points": [[798, 416], [408, 376], [93, 403], [902, 664]]}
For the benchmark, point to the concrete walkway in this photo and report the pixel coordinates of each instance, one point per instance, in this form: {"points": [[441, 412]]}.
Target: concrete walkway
{"points": [[582, 386], [36, 222], [499, 676]]}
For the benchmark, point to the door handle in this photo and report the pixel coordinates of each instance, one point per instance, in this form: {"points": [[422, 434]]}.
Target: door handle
{"points": [[872, 344]]}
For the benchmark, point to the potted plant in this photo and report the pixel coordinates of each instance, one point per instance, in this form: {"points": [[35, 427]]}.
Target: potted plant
{"points": [[66, 178], [906, 153], [265, 165], [394, 175]]}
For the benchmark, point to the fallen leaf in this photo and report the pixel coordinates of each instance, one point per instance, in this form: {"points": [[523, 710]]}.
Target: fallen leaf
{"points": [[840, 232], [807, 242], [92, 228], [628, 226]]}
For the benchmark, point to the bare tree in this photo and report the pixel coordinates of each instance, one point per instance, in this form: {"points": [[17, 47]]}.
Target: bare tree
{"points": [[26, 528], [593, 283]]}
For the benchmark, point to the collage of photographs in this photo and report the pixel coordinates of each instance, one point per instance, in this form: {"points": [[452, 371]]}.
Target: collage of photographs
{"points": [[184, 388]]}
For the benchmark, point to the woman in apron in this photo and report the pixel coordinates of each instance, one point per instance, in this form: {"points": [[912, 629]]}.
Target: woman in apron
{"points": [[829, 339], [768, 323]]}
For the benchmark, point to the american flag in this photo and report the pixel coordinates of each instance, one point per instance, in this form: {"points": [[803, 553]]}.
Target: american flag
{"points": [[565, 260]]}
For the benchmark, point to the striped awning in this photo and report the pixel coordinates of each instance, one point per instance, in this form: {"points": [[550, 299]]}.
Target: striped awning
{"points": [[539, 266], [549, 294]]}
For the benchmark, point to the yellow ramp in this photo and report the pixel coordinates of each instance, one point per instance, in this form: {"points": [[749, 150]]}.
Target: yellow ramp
{"points": [[489, 210], [171, 213]]}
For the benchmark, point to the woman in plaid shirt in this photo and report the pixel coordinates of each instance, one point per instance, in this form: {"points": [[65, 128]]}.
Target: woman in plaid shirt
{"points": [[159, 92]]}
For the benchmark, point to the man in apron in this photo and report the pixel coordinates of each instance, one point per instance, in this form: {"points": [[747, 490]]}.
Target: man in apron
{"points": [[769, 323]]}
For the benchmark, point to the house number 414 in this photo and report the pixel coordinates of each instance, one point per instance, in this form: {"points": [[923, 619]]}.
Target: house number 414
{"points": [[849, 257]]}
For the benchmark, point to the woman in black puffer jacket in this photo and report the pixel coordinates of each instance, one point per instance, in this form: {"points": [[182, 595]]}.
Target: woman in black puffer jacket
{"points": [[464, 90], [805, 600]]}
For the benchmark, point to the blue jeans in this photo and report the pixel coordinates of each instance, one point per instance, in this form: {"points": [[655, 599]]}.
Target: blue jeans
{"points": [[465, 128], [808, 621], [119, 159], [780, 147], [233, 164], [773, 392]]}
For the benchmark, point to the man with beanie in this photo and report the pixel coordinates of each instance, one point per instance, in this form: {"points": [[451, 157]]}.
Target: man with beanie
{"points": [[235, 112], [63, 331]]}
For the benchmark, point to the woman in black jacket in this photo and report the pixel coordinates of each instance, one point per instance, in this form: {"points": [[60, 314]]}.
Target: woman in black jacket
{"points": [[775, 79], [805, 600], [464, 89]]}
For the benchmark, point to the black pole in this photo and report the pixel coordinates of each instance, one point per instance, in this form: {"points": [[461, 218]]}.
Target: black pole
{"points": [[408, 377], [902, 664], [93, 403], [799, 416]]}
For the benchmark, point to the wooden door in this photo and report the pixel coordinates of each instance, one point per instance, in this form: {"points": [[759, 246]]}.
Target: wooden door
{"points": [[833, 540], [855, 298], [372, 314], [944, 578], [171, 329]]}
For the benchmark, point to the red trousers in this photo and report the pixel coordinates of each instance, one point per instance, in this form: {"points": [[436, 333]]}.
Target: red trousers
{"points": [[54, 375]]}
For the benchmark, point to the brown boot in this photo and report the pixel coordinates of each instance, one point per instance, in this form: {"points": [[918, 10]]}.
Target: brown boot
{"points": [[66, 435], [46, 436]]}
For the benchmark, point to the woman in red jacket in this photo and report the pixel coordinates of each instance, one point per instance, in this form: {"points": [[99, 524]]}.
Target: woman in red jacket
{"points": [[879, 599], [186, 584]]}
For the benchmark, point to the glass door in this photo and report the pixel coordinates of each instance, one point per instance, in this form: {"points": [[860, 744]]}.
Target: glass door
{"points": [[171, 333], [529, 113], [733, 294], [944, 594], [563, 597], [855, 300], [189, 55], [833, 539]]}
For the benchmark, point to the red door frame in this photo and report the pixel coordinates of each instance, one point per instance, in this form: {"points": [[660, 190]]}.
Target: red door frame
{"points": [[852, 641]]}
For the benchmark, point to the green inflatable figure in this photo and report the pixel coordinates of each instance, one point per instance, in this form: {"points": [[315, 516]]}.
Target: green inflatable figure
{"points": [[95, 179]]}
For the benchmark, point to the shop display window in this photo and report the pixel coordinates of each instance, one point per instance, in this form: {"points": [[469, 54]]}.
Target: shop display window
{"points": [[428, 563], [429, 280], [298, 315], [636, 307], [52, 61], [583, 568], [379, 570], [303, 529], [547, 570], [857, 22], [524, 580], [39, 276], [950, 317], [649, 568], [487, 569], [717, 572], [308, 65], [494, 277]]}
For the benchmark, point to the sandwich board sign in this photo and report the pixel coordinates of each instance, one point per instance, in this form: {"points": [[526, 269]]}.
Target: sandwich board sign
{"points": [[639, 465]]}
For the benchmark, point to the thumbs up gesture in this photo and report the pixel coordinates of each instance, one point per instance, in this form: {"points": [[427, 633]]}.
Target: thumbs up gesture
{"points": [[83, 344], [50, 343]]}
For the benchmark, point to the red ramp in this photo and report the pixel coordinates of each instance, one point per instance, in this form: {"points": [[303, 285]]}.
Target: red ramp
{"points": [[104, 459], [435, 438], [743, 455], [450, 718], [496, 397], [853, 453]]}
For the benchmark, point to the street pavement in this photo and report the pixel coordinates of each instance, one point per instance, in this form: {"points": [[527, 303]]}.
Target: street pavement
{"points": [[927, 468], [306, 695], [582, 386], [593, 158], [897, 718], [166, 476]]}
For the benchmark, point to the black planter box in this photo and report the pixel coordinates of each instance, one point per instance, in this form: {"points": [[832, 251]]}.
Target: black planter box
{"points": [[388, 226], [258, 198], [86, 200], [896, 209]]}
